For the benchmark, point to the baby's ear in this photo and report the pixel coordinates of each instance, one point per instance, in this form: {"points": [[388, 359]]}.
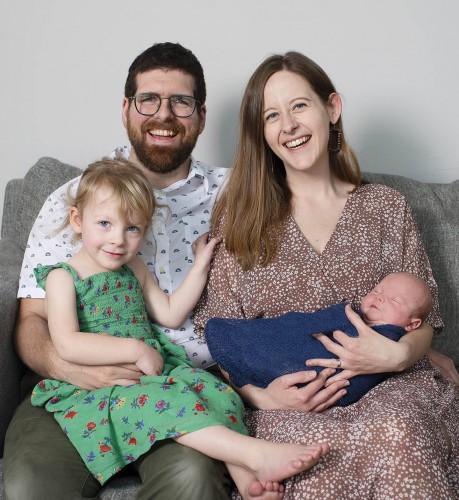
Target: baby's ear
{"points": [[413, 324]]}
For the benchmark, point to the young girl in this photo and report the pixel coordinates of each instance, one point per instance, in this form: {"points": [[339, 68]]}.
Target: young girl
{"points": [[106, 289]]}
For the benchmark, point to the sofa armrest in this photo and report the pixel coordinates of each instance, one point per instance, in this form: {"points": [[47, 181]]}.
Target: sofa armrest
{"points": [[11, 368], [11, 204]]}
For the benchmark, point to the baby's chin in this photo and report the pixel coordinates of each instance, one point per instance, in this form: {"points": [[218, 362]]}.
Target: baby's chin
{"points": [[370, 320]]}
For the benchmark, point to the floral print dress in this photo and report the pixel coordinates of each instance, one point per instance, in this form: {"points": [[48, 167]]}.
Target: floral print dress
{"points": [[112, 426]]}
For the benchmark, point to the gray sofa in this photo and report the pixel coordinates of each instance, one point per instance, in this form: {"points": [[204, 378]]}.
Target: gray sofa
{"points": [[436, 207]]}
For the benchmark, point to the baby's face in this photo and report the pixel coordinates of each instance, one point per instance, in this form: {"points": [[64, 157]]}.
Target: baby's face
{"points": [[392, 301]]}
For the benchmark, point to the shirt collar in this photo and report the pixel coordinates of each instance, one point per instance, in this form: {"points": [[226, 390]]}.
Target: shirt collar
{"points": [[195, 177]]}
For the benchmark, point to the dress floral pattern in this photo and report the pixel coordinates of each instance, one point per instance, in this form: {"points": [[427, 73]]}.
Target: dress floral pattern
{"points": [[113, 426], [392, 443]]}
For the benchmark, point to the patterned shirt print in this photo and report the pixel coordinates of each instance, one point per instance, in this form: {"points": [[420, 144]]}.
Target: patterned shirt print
{"points": [[166, 250]]}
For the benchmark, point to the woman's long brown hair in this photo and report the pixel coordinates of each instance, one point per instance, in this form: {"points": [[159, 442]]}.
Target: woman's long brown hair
{"points": [[257, 198]]}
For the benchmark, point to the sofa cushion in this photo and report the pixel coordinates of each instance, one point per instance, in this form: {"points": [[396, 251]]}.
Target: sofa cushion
{"points": [[436, 209], [40, 181], [12, 194]]}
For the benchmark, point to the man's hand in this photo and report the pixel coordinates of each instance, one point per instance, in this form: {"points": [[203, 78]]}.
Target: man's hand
{"points": [[444, 365], [34, 346], [96, 377]]}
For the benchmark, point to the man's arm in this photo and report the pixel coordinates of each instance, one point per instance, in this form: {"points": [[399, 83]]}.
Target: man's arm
{"points": [[445, 365], [35, 348]]}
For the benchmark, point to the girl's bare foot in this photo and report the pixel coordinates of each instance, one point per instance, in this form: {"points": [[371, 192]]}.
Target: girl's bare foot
{"points": [[251, 489], [280, 461], [266, 464], [268, 490]]}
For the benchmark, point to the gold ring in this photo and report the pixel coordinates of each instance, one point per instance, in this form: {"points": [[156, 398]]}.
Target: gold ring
{"points": [[339, 363]]}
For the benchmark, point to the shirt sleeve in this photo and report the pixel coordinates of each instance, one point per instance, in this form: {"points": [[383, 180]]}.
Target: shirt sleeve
{"points": [[48, 242]]}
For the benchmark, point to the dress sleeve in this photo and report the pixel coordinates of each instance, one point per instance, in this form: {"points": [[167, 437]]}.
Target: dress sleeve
{"points": [[404, 234], [41, 274], [222, 296]]}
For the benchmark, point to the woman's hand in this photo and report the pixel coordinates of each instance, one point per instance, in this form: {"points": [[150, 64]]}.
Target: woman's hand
{"points": [[370, 352], [284, 394]]}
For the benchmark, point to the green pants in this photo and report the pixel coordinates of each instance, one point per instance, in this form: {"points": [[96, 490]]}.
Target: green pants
{"points": [[40, 463]]}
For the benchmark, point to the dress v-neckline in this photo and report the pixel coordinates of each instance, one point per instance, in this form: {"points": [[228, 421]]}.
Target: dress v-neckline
{"points": [[320, 255]]}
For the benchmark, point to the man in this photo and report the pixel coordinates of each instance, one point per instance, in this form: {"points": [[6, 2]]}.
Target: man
{"points": [[164, 113]]}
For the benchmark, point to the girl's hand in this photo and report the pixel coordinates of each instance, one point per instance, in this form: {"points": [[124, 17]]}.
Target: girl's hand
{"points": [[284, 394], [370, 352], [150, 361], [203, 249]]}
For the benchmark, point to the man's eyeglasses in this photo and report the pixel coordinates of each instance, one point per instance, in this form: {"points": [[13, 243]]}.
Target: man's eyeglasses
{"points": [[148, 104]]}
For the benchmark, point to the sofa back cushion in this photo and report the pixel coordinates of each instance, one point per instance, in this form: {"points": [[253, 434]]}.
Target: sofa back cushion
{"points": [[436, 209], [40, 181]]}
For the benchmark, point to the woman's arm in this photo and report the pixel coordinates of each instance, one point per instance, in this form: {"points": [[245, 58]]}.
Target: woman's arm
{"points": [[172, 310], [75, 346], [402, 249], [371, 352]]}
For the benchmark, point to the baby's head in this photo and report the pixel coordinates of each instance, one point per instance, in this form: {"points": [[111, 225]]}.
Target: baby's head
{"points": [[400, 299], [127, 184]]}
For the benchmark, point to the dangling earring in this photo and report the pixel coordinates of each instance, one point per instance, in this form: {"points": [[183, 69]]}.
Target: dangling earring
{"points": [[334, 139]]}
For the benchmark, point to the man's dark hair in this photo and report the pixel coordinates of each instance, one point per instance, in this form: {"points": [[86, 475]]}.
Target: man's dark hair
{"points": [[169, 56]]}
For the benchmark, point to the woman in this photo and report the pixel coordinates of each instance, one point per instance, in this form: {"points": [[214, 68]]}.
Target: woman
{"points": [[302, 232]]}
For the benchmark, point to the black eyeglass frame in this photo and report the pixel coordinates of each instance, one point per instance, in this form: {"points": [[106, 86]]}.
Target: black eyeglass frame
{"points": [[161, 99]]}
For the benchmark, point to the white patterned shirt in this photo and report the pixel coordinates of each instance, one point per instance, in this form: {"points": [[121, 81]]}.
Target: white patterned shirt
{"points": [[166, 250]]}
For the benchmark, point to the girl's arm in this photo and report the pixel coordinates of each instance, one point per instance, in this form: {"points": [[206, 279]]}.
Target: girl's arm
{"points": [[172, 310], [90, 348]]}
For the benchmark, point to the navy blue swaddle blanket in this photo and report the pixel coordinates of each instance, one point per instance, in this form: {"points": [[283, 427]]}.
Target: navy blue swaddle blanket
{"points": [[256, 351]]}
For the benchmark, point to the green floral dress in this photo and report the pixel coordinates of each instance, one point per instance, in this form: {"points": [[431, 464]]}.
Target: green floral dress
{"points": [[113, 426]]}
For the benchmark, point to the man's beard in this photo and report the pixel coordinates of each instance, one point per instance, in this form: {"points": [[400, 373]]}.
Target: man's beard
{"points": [[162, 159]]}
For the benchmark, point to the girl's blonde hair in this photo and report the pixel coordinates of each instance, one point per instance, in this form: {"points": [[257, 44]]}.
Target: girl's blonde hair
{"points": [[129, 186], [257, 198]]}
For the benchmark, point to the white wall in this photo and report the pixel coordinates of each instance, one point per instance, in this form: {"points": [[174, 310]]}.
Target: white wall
{"points": [[63, 65]]}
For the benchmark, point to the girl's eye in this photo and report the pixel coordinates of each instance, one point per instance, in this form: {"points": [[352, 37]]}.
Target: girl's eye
{"points": [[104, 223], [133, 229]]}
